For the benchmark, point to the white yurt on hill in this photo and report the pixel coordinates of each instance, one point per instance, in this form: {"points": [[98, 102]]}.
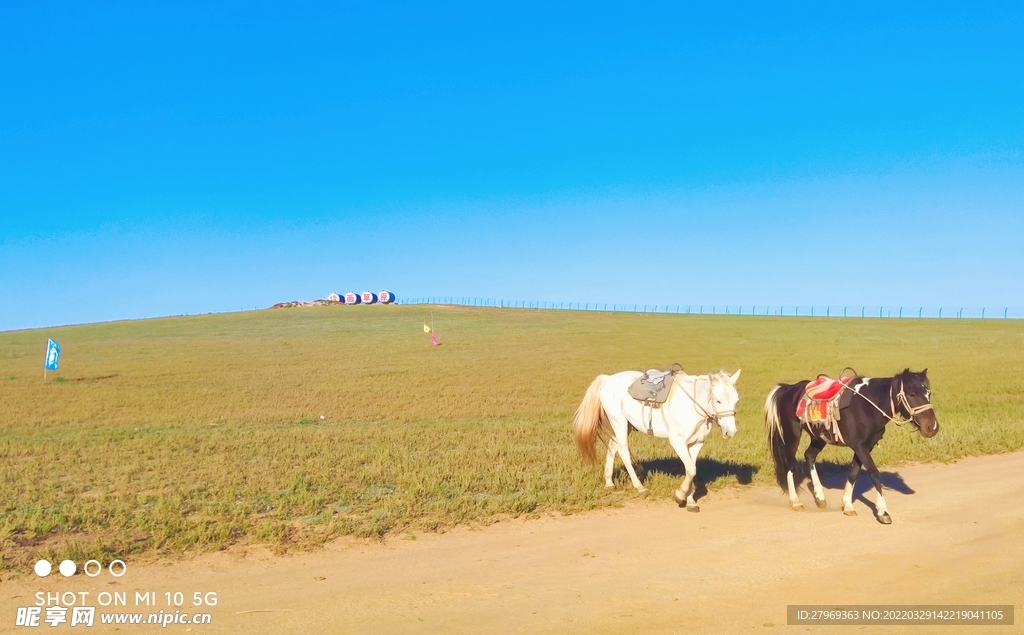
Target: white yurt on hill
{"points": [[369, 297], [386, 297], [334, 297], [351, 298]]}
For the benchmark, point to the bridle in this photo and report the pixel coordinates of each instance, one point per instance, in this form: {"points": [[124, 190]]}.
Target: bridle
{"points": [[896, 417], [901, 398], [714, 415]]}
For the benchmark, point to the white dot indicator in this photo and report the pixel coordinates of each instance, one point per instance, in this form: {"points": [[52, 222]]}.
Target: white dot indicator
{"points": [[67, 568], [43, 568]]}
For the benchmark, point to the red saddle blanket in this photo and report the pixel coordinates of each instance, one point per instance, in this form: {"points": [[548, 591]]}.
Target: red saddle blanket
{"points": [[825, 388]]}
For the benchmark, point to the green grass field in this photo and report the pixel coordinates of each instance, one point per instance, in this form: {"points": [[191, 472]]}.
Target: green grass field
{"points": [[179, 435]]}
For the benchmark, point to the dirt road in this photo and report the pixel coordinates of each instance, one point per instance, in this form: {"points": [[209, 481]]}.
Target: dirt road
{"points": [[957, 537]]}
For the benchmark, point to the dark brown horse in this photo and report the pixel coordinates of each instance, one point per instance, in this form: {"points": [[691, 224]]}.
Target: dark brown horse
{"points": [[869, 405]]}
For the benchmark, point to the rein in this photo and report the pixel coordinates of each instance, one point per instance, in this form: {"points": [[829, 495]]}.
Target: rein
{"points": [[713, 416], [901, 397]]}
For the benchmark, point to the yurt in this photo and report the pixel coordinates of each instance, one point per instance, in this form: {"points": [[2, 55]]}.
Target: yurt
{"points": [[351, 298], [334, 297], [369, 297], [386, 297]]}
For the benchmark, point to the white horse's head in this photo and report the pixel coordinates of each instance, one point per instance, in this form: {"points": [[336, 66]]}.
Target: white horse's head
{"points": [[724, 400]]}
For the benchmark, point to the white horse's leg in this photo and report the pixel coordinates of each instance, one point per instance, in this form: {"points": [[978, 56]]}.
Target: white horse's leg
{"points": [[624, 453], [684, 493], [691, 503], [609, 464], [620, 428]]}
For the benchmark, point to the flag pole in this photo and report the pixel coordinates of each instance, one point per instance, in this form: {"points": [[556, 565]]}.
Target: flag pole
{"points": [[46, 358]]}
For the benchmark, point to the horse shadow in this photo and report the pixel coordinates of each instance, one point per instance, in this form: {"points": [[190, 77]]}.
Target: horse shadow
{"points": [[708, 471], [833, 476]]}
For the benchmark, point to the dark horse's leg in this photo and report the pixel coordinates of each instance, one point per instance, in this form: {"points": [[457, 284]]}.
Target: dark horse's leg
{"points": [[809, 456], [791, 447], [851, 481], [869, 464]]}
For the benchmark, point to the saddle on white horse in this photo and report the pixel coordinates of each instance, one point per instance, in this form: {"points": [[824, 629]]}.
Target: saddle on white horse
{"points": [[652, 388]]}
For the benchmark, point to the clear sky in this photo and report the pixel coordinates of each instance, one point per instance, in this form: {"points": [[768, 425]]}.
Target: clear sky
{"points": [[182, 157]]}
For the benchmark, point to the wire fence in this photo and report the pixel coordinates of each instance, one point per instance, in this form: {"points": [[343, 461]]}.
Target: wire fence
{"points": [[827, 311]]}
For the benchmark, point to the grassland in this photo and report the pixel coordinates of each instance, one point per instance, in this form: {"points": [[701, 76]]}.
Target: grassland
{"points": [[179, 435]]}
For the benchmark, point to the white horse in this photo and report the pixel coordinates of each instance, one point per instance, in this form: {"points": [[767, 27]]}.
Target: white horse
{"points": [[694, 403]]}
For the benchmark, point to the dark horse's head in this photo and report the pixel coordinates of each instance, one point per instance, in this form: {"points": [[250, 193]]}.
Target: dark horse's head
{"points": [[912, 399]]}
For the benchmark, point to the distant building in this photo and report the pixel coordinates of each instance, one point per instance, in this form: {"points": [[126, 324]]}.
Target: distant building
{"points": [[386, 297], [334, 297], [369, 297], [352, 298]]}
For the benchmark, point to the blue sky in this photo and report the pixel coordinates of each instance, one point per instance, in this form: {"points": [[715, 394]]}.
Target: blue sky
{"points": [[185, 158]]}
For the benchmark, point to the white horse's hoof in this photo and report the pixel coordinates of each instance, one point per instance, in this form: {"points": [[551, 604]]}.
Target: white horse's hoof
{"points": [[693, 508], [797, 507], [850, 512], [609, 485], [679, 497], [641, 490], [820, 502]]}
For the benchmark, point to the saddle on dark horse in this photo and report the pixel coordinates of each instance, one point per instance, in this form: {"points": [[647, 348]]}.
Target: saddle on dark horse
{"points": [[823, 401], [652, 388]]}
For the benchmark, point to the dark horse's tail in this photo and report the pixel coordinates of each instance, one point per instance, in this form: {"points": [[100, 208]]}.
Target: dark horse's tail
{"points": [[776, 439]]}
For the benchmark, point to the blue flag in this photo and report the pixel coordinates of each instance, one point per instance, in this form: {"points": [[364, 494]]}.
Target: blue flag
{"points": [[52, 355]]}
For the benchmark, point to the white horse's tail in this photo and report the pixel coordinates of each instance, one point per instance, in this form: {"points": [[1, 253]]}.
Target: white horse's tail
{"points": [[590, 421], [776, 440]]}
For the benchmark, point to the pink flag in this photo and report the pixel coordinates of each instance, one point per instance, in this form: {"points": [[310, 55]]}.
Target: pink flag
{"points": [[433, 338]]}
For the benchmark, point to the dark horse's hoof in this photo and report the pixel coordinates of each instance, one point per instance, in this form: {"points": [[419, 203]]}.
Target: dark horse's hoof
{"points": [[885, 519], [820, 503], [693, 508]]}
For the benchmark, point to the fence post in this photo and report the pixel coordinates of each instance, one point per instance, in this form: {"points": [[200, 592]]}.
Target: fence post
{"points": [[901, 313], [828, 311], [862, 311], [983, 313], [920, 311]]}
